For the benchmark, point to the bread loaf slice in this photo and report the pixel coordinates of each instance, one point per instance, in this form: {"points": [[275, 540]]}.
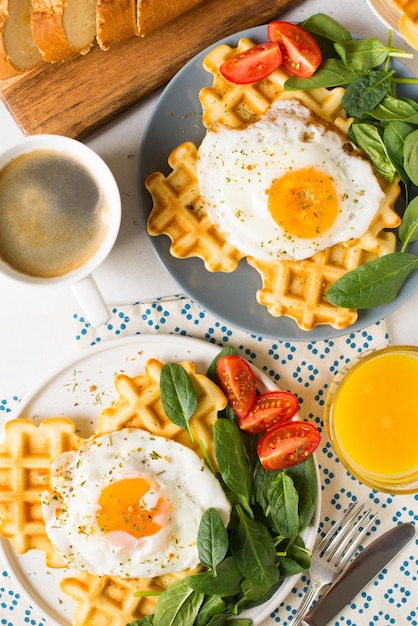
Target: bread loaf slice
{"points": [[61, 28], [154, 13], [116, 21], [18, 52]]}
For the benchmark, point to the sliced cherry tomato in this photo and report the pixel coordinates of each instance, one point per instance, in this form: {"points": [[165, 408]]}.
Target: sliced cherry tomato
{"points": [[287, 444], [269, 409], [301, 55], [253, 64], [237, 381]]}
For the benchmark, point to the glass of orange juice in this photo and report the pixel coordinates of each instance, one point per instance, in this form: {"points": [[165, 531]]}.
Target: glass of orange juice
{"points": [[371, 418]]}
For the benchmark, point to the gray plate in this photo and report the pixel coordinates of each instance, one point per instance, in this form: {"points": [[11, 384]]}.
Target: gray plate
{"points": [[229, 297]]}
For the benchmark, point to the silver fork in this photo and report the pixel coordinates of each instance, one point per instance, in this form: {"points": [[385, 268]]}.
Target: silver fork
{"points": [[334, 552]]}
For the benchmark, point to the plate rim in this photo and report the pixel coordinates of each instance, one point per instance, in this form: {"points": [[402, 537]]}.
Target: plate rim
{"points": [[383, 8], [10, 559], [279, 328]]}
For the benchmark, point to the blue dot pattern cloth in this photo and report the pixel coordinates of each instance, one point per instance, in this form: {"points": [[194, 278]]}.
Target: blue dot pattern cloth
{"points": [[305, 368]]}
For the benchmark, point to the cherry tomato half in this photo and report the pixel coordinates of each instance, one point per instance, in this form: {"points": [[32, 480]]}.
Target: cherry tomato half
{"points": [[287, 444], [238, 382], [269, 409], [253, 64], [301, 55]]}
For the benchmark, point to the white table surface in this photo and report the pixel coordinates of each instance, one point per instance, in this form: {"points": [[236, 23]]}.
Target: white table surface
{"points": [[36, 327]]}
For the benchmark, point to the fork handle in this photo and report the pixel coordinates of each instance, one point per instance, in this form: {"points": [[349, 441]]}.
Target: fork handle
{"points": [[313, 590]]}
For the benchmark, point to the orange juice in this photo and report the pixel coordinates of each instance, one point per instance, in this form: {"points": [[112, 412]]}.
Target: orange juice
{"points": [[371, 417]]}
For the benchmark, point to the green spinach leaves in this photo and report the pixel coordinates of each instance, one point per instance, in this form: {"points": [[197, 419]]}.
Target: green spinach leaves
{"points": [[246, 562], [385, 127]]}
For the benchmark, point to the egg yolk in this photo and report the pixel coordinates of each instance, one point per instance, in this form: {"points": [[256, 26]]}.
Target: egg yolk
{"points": [[303, 202], [123, 508]]}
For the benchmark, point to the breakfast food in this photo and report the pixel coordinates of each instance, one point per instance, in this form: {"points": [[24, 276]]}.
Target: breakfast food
{"points": [[36, 31], [26, 452], [63, 28], [408, 21], [138, 515], [18, 52], [285, 186], [294, 287], [141, 483]]}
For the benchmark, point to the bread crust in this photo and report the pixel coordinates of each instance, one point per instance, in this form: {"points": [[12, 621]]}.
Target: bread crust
{"points": [[49, 33], [6, 68], [116, 21], [154, 13], [25, 55]]}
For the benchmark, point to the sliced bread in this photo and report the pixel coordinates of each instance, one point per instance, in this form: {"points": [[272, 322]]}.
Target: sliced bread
{"points": [[18, 52], [116, 21], [62, 28], [153, 13]]}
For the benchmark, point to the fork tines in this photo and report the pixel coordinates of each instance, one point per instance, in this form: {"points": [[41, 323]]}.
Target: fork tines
{"points": [[341, 541]]}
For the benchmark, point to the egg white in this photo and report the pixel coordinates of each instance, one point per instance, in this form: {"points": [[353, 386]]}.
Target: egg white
{"points": [[237, 166], [78, 478]]}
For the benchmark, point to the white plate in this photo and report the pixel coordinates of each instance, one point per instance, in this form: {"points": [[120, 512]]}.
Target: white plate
{"points": [[78, 390], [386, 12]]}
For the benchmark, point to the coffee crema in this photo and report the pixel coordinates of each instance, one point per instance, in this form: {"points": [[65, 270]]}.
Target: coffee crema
{"points": [[53, 217]]}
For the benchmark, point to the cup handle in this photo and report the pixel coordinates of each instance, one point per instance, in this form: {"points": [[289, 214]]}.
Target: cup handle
{"points": [[91, 301]]}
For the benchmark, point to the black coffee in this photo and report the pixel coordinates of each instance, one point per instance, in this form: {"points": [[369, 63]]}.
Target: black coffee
{"points": [[52, 214]]}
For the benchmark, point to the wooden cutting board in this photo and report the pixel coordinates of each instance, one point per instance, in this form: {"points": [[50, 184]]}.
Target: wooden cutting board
{"points": [[85, 92]]}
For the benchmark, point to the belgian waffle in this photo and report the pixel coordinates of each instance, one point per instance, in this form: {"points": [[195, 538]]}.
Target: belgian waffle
{"points": [[26, 453], [139, 406], [296, 289], [110, 601]]}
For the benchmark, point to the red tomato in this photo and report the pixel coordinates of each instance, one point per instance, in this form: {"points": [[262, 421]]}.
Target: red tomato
{"points": [[253, 64], [237, 381], [300, 52], [287, 444], [269, 409]]}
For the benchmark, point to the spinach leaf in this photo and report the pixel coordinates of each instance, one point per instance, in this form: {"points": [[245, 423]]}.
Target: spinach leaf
{"points": [[325, 26], [304, 478], [297, 559], [392, 108], [211, 607], [143, 621], [366, 92], [178, 396], [410, 155], [280, 501], [212, 539], [369, 138], [227, 583], [362, 54], [331, 73], [394, 136], [178, 605], [373, 283], [232, 460], [408, 230], [253, 549]]}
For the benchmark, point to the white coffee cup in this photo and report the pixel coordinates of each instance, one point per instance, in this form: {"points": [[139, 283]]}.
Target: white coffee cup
{"points": [[60, 213]]}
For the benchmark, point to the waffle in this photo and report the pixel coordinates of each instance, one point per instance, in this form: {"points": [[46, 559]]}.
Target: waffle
{"points": [[234, 105], [177, 212], [139, 406], [296, 289], [110, 601], [25, 457]]}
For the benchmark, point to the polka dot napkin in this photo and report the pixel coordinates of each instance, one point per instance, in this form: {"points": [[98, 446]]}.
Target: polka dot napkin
{"points": [[305, 368]]}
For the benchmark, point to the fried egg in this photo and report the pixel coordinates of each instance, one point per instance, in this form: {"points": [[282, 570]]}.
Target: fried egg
{"points": [[129, 504], [287, 185]]}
